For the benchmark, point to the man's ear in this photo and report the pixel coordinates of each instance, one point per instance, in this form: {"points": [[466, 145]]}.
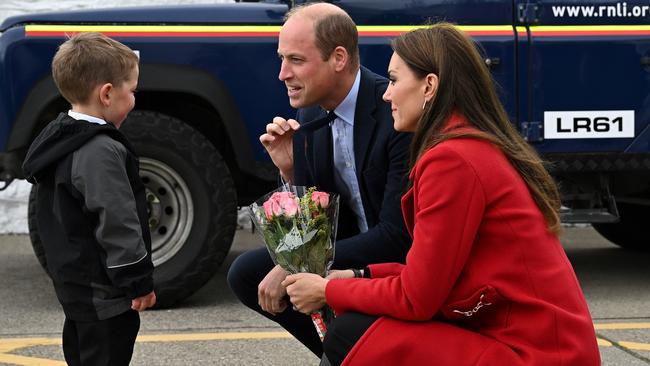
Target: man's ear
{"points": [[105, 94], [340, 57], [431, 83]]}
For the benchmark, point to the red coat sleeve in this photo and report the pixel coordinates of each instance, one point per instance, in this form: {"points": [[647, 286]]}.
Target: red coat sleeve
{"points": [[449, 205], [385, 269]]}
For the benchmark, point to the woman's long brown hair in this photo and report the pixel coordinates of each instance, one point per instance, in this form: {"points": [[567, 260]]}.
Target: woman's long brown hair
{"points": [[466, 86]]}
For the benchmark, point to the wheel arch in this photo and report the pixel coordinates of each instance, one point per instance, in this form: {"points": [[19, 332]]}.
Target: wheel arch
{"points": [[41, 106], [213, 109]]}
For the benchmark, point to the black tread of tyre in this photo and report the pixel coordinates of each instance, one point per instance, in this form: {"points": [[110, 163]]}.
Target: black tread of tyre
{"points": [[169, 131], [632, 231]]}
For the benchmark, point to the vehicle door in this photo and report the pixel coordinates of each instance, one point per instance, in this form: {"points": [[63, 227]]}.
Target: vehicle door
{"points": [[488, 22], [586, 75]]}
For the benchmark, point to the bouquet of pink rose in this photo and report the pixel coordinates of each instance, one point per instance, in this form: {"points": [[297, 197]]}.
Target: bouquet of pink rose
{"points": [[298, 226]]}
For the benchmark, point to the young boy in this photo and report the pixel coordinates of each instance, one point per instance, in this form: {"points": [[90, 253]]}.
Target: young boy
{"points": [[91, 210]]}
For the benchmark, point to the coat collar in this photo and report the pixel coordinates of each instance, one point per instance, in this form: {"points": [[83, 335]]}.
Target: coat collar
{"points": [[456, 122], [408, 210]]}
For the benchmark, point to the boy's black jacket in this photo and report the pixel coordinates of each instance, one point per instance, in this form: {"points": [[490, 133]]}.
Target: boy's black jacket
{"points": [[92, 218]]}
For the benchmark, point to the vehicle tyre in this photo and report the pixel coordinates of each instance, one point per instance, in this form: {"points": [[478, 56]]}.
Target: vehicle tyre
{"points": [[192, 202], [191, 199], [632, 231]]}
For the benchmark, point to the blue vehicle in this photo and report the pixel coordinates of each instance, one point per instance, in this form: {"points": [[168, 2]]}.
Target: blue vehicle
{"points": [[574, 76]]}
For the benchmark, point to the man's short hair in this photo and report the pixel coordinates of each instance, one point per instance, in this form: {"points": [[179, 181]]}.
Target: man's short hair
{"points": [[333, 30], [87, 60]]}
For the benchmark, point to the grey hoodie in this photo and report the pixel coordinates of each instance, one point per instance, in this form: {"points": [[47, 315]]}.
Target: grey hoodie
{"points": [[91, 215]]}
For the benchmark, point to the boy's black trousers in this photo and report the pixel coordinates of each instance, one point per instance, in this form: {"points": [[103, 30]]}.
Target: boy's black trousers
{"points": [[102, 342]]}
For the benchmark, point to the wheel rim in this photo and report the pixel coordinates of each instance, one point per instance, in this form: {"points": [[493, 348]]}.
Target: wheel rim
{"points": [[170, 206]]}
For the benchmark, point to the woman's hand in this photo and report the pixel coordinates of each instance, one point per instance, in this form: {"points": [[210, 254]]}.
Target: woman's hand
{"points": [[336, 273], [307, 291]]}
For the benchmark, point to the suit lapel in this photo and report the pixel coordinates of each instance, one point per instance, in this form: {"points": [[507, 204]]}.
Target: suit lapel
{"points": [[365, 124], [323, 165], [364, 121]]}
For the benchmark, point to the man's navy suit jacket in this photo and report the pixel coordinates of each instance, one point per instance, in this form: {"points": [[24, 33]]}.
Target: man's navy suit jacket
{"points": [[381, 161]]}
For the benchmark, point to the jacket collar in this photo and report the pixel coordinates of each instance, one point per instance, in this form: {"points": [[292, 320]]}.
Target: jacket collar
{"points": [[364, 120], [346, 110], [364, 129]]}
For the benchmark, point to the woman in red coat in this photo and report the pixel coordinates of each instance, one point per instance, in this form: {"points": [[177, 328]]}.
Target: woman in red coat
{"points": [[486, 281]]}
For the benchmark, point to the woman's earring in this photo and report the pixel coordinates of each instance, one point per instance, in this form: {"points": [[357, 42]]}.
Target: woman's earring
{"points": [[424, 104]]}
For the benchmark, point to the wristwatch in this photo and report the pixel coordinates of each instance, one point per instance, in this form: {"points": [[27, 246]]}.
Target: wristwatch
{"points": [[365, 273]]}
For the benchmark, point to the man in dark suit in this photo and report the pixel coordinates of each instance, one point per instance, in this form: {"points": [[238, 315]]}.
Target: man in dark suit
{"points": [[359, 155]]}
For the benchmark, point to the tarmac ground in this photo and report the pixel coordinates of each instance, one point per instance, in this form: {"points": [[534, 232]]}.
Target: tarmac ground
{"points": [[213, 328]]}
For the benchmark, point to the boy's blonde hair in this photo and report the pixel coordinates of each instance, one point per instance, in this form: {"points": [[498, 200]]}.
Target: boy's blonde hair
{"points": [[87, 60]]}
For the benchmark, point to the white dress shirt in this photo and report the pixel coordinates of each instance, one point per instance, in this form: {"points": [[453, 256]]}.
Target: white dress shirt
{"points": [[343, 145], [85, 117]]}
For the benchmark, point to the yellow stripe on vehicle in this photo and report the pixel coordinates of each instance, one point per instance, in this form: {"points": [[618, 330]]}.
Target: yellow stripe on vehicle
{"points": [[38, 30]]}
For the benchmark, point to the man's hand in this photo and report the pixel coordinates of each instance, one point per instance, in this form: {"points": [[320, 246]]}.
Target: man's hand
{"points": [[143, 302], [270, 292], [307, 291], [278, 142]]}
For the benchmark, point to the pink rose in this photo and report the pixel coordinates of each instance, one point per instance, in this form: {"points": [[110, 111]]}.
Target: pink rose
{"points": [[321, 198], [271, 208], [281, 203], [289, 205]]}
